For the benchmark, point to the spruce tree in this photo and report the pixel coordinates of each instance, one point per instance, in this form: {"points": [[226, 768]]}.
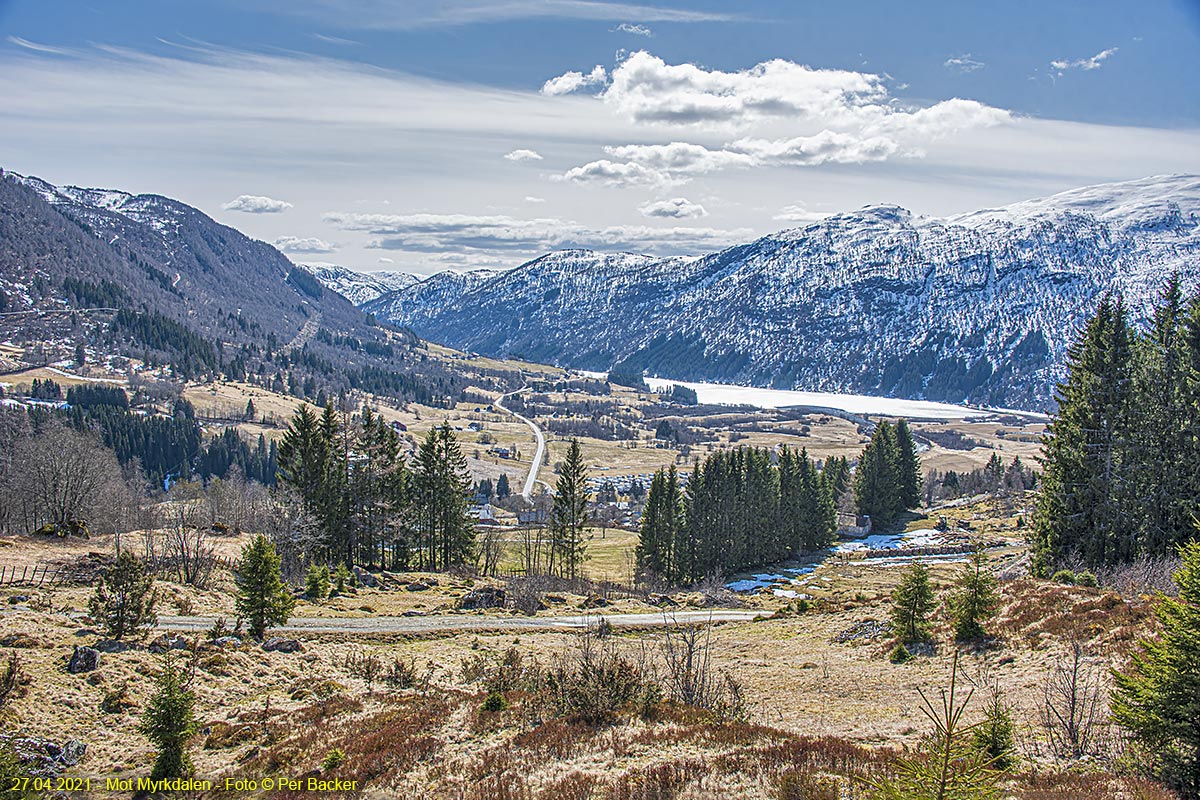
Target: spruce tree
{"points": [[1083, 502], [263, 598], [877, 490], [1157, 697], [908, 465], [444, 533], [568, 517], [912, 602], [975, 599], [502, 488], [169, 721]]}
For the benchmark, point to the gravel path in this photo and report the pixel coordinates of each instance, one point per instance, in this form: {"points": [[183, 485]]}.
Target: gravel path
{"points": [[471, 622]]}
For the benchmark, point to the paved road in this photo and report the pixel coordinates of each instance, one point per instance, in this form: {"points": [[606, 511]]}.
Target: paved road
{"points": [[471, 622], [531, 478]]}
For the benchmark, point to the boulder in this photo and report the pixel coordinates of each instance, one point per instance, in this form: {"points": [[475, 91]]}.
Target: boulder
{"points": [[417, 586], [18, 598], [365, 578], [279, 645], [46, 758], [595, 601], [167, 642], [84, 659], [485, 597], [228, 641]]}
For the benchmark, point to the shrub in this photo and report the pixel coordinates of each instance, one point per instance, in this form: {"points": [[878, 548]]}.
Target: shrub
{"points": [[594, 684], [1064, 576], [401, 674], [1086, 579], [342, 577], [316, 582], [13, 680], [124, 599], [802, 786], [994, 736], [15, 781], [333, 759], [899, 654], [495, 702]]}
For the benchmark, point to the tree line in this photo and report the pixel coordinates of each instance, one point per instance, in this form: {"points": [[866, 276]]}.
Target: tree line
{"points": [[368, 504], [748, 507], [1121, 473]]}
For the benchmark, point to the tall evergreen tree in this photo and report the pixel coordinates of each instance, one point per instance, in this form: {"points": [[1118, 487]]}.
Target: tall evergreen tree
{"points": [[169, 721], [660, 526], [908, 464], [877, 489], [912, 602], [1085, 491], [568, 516], [443, 531]]}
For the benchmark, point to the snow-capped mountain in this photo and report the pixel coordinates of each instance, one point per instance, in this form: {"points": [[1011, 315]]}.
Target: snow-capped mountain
{"points": [[979, 307], [422, 300], [359, 287]]}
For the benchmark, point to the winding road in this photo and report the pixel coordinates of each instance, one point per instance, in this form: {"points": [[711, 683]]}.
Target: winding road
{"points": [[473, 622], [531, 478]]}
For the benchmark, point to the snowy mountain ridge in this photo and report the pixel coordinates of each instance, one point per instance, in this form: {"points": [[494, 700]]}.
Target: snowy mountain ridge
{"points": [[977, 307]]}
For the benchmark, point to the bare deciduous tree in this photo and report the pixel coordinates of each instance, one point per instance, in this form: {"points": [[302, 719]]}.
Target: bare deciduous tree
{"points": [[1073, 704]]}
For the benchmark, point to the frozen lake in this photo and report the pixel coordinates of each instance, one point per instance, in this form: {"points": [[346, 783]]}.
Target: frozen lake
{"points": [[722, 394]]}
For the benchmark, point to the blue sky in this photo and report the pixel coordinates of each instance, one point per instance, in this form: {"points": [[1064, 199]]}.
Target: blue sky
{"points": [[434, 134]]}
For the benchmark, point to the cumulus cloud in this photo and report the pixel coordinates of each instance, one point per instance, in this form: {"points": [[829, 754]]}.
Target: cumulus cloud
{"points": [[256, 204], [675, 208], [447, 233], [636, 30], [293, 244], [523, 155], [841, 117], [573, 81], [1095, 62], [963, 63]]}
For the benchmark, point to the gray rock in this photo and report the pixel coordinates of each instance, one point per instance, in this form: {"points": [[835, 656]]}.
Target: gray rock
{"points": [[18, 598], [365, 578], [417, 586], [279, 645], [228, 641], [167, 642], [45, 758], [83, 659], [486, 597]]}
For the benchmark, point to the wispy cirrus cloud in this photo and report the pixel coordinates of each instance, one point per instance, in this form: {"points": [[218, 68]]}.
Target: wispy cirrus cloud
{"points": [[36, 47], [256, 204], [412, 14], [963, 63], [1087, 64], [636, 30]]}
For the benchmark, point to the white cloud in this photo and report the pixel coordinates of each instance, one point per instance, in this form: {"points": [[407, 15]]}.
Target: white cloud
{"points": [[840, 117], [1095, 62], [798, 212], [292, 244], [386, 260], [523, 155], [645, 88], [256, 204], [449, 233], [636, 30], [570, 82], [963, 63], [675, 208], [531, 199]]}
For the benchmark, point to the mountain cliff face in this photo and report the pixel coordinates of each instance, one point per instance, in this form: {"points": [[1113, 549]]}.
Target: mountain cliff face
{"points": [[979, 307]]}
